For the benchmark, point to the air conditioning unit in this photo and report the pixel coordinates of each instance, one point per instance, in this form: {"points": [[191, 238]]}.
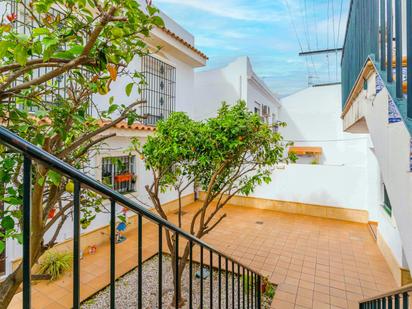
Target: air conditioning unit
{"points": [[265, 110]]}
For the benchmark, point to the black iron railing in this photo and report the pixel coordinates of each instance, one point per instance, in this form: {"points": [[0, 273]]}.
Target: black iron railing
{"points": [[375, 31], [248, 291], [396, 299]]}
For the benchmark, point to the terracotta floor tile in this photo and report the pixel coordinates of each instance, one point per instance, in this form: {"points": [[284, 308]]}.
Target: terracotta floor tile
{"points": [[320, 305], [306, 302], [280, 304], [285, 296], [317, 263], [339, 302]]}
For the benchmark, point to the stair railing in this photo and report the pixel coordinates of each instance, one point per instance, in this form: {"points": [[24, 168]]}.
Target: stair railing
{"points": [[395, 299], [375, 31], [244, 291]]}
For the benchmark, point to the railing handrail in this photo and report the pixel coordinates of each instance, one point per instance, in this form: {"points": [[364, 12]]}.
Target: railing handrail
{"points": [[398, 291], [19, 144]]}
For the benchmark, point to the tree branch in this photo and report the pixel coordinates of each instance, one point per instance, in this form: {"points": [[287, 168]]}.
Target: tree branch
{"points": [[90, 135]]}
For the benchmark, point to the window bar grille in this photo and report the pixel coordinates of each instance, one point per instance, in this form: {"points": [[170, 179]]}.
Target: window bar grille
{"points": [[159, 91]]}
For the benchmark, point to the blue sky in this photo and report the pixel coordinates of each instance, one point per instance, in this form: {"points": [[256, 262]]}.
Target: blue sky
{"points": [[264, 30]]}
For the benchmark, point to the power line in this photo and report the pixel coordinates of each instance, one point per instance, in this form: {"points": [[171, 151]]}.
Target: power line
{"points": [[296, 33], [340, 19]]}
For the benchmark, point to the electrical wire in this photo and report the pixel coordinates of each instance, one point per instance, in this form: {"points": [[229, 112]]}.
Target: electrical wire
{"points": [[296, 33]]}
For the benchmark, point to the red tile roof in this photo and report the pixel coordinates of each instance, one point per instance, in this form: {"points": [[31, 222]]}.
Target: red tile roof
{"points": [[134, 126], [185, 43]]}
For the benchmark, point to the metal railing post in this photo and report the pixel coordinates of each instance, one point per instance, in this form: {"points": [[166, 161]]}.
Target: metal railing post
{"points": [[409, 55], [389, 44], [398, 35], [76, 245], [259, 290], [27, 183], [160, 257], [383, 35], [112, 253], [139, 262]]}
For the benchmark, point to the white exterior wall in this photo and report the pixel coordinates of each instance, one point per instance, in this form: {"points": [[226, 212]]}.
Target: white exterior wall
{"points": [[326, 185], [229, 84], [117, 146], [184, 85], [347, 175], [392, 149]]}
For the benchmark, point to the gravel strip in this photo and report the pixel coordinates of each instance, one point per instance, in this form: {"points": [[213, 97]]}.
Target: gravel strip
{"points": [[126, 289]]}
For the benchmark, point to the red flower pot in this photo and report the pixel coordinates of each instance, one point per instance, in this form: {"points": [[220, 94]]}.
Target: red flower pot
{"points": [[123, 178]]}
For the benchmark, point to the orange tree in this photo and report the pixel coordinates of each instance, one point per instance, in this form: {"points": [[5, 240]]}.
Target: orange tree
{"points": [[71, 50], [227, 155]]}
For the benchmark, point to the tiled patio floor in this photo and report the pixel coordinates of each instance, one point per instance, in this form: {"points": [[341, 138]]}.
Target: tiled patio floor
{"points": [[317, 263]]}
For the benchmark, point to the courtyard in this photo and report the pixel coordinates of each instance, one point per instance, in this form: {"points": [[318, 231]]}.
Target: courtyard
{"points": [[315, 262]]}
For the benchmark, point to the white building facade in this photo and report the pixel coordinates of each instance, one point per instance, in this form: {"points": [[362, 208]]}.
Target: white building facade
{"points": [[170, 87], [236, 81]]}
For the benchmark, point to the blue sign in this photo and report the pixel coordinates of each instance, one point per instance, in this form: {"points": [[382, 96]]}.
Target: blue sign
{"points": [[393, 112]]}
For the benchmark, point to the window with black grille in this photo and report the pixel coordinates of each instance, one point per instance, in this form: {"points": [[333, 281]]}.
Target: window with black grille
{"points": [[159, 91], [119, 173]]}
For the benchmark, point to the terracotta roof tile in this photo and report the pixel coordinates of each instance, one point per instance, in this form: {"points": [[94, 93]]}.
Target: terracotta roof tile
{"points": [[185, 43], [134, 126]]}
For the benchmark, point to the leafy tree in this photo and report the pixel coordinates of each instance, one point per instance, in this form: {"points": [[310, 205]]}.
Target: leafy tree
{"points": [[226, 155], [48, 78]]}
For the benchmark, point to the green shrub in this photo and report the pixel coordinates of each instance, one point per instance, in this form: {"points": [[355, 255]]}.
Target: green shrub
{"points": [[55, 264]]}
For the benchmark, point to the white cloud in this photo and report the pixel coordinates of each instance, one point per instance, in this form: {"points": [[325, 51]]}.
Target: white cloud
{"points": [[229, 9]]}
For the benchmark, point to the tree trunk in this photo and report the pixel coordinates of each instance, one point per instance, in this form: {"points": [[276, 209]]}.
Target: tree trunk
{"points": [[177, 295], [181, 267], [10, 286]]}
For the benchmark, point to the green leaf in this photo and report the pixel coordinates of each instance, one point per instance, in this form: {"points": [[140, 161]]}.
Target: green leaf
{"points": [[117, 32], [2, 246], [41, 181], [40, 31], [49, 42], [113, 108], [20, 53], [37, 47], [129, 88], [4, 47], [158, 21], [7, 223], [64, 54], [54, 177], [76, 50], [24, 38], [19, 238]]}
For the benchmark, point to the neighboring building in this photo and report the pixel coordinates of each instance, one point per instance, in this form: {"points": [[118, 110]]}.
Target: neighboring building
{"points": [[376, 100], [334, 169], [236, 81], [170, 87]]}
